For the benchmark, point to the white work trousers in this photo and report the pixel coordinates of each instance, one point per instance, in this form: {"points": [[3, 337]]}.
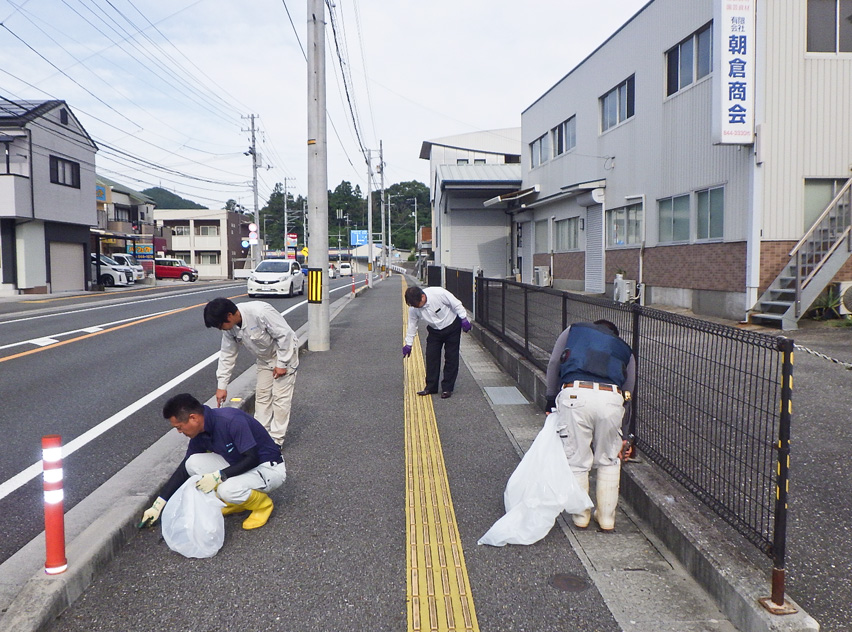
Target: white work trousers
{"points": [[236, 490], [590, 426], [273, 398]]}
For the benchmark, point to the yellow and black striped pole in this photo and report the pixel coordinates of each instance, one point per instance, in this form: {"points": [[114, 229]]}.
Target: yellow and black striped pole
{"points": [[315, 276]]}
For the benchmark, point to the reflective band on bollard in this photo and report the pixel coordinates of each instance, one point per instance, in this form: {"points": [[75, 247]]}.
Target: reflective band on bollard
{"points": [[54, 513]]}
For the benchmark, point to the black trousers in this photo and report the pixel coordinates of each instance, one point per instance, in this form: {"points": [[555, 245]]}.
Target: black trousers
{"points": [[448, 338]]}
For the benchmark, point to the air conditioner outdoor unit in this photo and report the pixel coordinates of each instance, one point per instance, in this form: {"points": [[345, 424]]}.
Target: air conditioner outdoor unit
{"points": [[541, 276], [844, 292], [624, 290]]}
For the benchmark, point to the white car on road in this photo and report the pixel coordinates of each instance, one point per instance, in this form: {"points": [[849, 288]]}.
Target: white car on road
{"points": [[277, 277], [345, 269]]}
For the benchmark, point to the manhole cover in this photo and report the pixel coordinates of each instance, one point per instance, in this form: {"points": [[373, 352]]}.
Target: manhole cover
{"points": [[568, 583]]}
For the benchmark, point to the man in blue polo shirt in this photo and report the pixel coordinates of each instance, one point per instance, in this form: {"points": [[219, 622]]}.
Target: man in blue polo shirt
{"points": [[232, 452]]}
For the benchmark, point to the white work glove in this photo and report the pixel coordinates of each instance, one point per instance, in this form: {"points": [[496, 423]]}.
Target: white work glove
{"points": [[209, 482], [152, 514]]}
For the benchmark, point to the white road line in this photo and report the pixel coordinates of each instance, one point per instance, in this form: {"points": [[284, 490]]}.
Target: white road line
{"points": [[22, 478], [34, 470]]}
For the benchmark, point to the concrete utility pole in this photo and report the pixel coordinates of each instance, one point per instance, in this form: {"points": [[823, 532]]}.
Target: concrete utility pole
{"points": [[286, 230], [318, 312], [370, 218], [255, 248], [382, 204], [415, 230]]}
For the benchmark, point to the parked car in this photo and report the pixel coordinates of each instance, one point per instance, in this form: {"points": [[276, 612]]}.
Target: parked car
{"points": [[332, 271], [277, 277], [111, 272], [167, 268], [345, 269], [129, 260]]}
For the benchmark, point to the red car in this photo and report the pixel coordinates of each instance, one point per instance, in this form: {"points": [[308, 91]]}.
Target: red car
{"points": [[174, 269]]}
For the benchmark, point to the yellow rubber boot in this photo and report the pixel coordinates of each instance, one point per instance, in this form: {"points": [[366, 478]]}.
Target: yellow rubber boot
{"points": [[260, 506], [231, 508], [582, 520]]}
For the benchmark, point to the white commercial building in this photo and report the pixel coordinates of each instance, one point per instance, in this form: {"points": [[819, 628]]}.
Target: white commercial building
{"points": [[464, 171], [693, 151]]}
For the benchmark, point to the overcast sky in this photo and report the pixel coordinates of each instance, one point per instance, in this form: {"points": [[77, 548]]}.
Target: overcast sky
{"points": [[172, 83]]}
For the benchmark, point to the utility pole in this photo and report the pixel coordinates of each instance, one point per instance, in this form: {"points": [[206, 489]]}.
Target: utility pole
{"points": [[382, 204], [415, 231], [370, 218], [286, 230], [255, 248], [318, 312]]}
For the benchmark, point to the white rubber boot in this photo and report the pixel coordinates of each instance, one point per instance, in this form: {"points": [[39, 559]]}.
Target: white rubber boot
{"points": [[581, 520], [606, 490]]}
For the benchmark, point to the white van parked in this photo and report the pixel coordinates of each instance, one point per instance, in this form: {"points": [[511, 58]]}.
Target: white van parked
{"points": [[129, 260], [112, 272]]}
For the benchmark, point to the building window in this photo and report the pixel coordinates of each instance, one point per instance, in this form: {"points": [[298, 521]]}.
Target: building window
{"points": [[207, 230], [479, 161], [462, 161], [122, 213], [710, 213], [180, 230], [617, 105], [64, 172], [689, 61], [564, 136], [674, 218], [624, 225], [567, 234], [183, 256], [539, 151], [830, 26], [207, 258], [541, 236]]}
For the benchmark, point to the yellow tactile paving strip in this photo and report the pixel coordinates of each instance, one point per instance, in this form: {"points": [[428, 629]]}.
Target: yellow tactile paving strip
{"points": [[438, 596]]}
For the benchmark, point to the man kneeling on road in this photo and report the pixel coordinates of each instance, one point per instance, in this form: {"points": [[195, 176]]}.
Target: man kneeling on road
{"points": [[233, 454]]}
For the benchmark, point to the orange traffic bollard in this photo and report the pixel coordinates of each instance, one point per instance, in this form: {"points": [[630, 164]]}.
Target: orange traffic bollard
{"points": [[54, 513]]}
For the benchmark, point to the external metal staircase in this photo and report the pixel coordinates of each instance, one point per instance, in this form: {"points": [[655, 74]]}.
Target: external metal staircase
{"points": [[814, 262]]}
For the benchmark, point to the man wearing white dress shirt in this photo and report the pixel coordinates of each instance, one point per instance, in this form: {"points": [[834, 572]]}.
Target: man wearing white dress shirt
{"points": [[446, 318]]}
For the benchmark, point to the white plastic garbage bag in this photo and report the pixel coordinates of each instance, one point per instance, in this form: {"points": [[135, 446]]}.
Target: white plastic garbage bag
{"points": [[539, 489], [193, 524]]}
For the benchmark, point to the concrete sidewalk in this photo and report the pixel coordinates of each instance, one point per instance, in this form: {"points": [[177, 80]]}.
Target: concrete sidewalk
{"points": [[642, 572]]}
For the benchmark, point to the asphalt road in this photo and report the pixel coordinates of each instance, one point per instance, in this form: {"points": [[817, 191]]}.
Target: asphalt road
{"points": [[71, 364]]}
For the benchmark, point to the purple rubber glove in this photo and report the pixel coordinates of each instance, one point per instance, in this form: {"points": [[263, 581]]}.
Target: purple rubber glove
{"points": [[406, 351], [465, 325]]}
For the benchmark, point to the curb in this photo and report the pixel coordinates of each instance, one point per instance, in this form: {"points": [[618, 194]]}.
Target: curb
{"points": [[729, 573]]}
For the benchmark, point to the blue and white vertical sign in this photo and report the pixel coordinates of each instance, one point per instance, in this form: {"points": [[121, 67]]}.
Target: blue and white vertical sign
{"points": [[734, 84]]}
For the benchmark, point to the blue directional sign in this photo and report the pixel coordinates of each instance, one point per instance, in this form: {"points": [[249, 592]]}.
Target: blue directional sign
{"points": [[357, 237]]}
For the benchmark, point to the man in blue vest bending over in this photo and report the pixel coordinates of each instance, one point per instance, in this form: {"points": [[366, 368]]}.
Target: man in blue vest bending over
{"points": [[590, 376]]}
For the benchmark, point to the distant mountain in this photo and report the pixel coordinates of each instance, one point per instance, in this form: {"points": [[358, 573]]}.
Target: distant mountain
{"points": [[167, 199]]}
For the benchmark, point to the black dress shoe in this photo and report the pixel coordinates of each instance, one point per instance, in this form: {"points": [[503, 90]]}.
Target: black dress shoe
{"points": [[446, 394], [426, 391]]}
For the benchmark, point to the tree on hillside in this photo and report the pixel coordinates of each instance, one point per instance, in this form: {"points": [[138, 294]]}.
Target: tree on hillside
{"points": [[166, 199], [272, 218], [353, 206], [401, 198]]}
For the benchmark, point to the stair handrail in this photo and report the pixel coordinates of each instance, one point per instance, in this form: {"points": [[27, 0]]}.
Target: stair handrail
{"points": [[820, 219]]}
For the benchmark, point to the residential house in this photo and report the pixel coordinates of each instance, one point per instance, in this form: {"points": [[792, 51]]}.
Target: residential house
{"points": [[126, 222], [47, 206], [208, 240], [704, 149]]}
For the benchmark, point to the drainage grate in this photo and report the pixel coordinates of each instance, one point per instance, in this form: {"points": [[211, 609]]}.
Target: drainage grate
{"points": [[568, 583]]}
